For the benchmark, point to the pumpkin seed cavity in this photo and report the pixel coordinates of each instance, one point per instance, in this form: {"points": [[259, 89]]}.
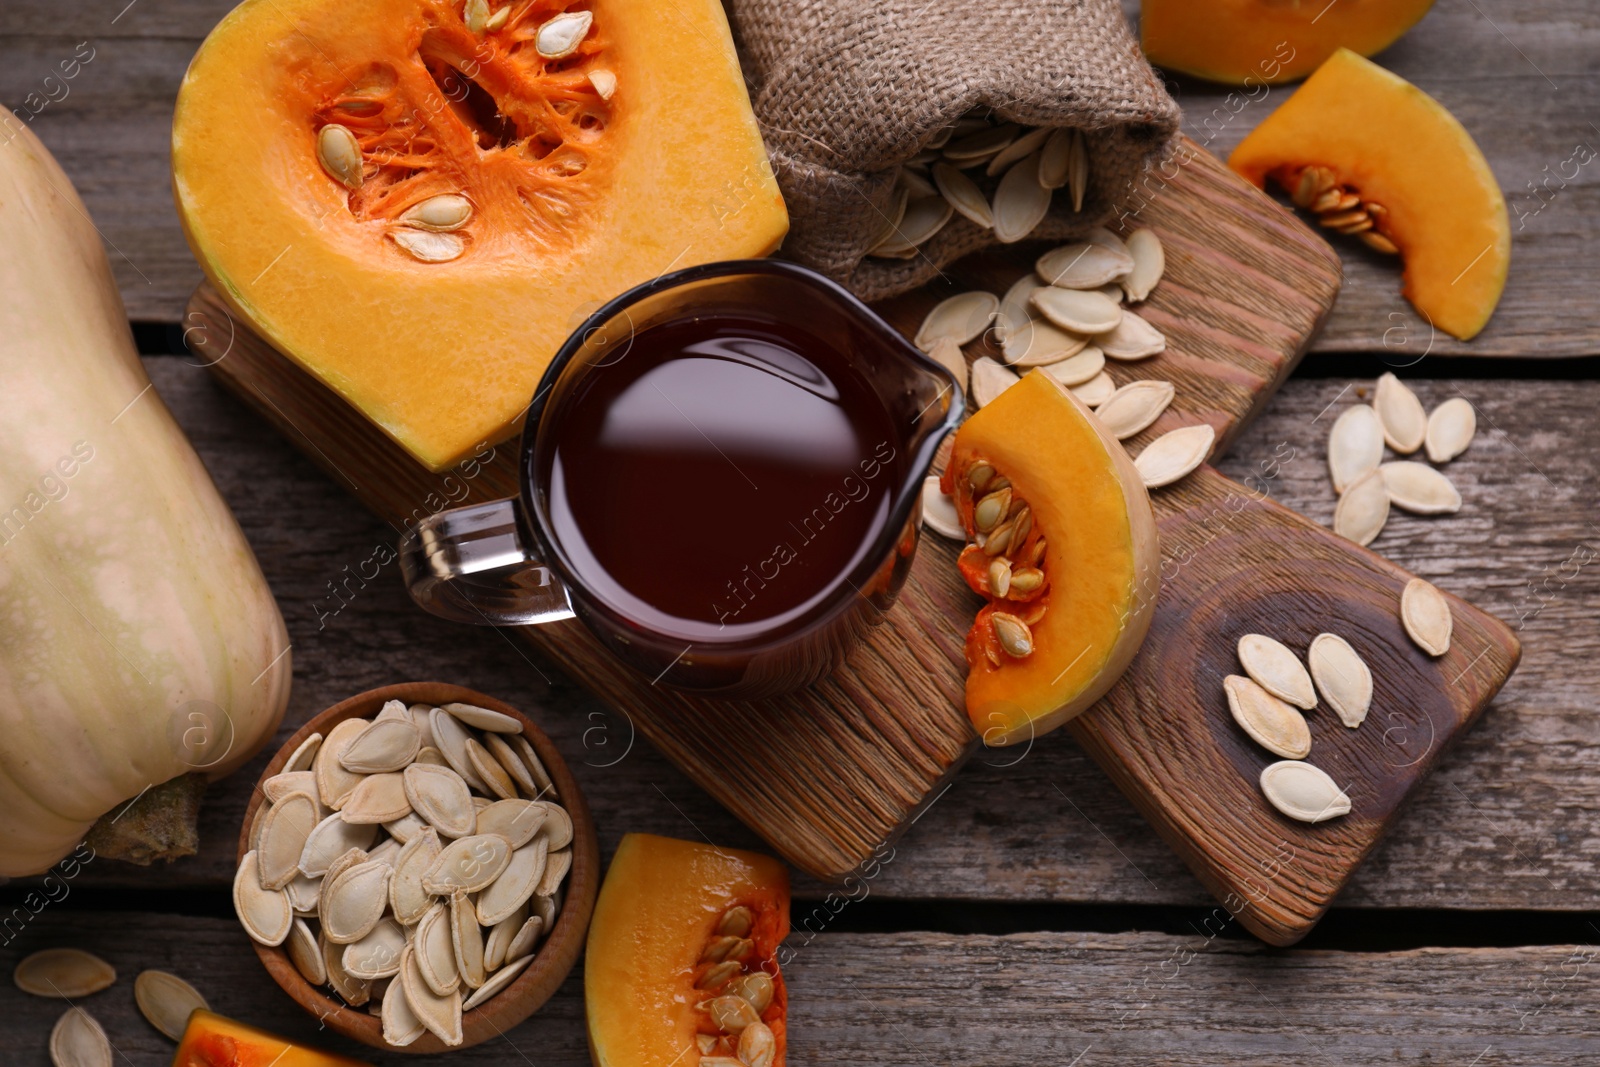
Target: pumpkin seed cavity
{"points": [[431, 805]]}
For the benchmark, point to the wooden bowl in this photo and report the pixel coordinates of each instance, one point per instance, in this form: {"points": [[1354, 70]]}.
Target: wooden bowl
{"points": [[557, 953]]}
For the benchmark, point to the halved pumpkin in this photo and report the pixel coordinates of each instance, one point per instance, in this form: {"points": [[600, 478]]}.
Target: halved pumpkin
{"points": [[1393, 155], [1249, 42], [418, 200], [682, 957], [1063, 546], [215, 1041]]}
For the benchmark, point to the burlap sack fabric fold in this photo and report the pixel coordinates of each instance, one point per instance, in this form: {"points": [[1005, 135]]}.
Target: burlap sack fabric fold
{"points": [[847, 90]]}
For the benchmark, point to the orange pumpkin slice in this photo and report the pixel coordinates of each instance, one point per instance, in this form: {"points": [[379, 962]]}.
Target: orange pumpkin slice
{"points": [[682, 958], [1375, 156], [1254, 42], [418, 200], [215, 1041], [1063, 549]]}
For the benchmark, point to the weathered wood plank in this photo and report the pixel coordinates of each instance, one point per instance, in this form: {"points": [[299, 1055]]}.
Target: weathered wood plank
{"points": [[1520, 77], [1056, 998], [1502, 824]]}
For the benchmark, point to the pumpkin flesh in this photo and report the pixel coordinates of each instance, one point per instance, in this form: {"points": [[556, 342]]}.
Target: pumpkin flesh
{"points": [[646, 972], [1088, 506], [1392, 144], [574, 195], [212, 1040]]}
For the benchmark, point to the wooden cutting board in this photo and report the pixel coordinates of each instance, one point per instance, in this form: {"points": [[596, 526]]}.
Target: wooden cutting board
{"points": [[836, 772]]}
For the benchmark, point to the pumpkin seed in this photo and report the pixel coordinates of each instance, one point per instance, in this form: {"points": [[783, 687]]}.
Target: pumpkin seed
{"points": [[406, 894], [1379, 243], [401, 1026], [432, 757], [1055, 159], [386, 745], [1418, 488], [1015, 307], [283, 838], [1149, 264], [476, 15], [1404, 422], [353, 903], [536, 768], [516, 884], [961, 318], [1111, 291], [340, 155], [1020, 202], [500, 783], [441, 797], [353, 991], [265, 914], [1303, 792], [889, 221], [78, 1041], [515, 820], [546, 908], [1132, 338], [1363, 509], [499, 939], [467, 938], [485, 719], [304, 893], [1096, 391], [498, 19], [1275, 667], [1451, 427], [1078, 170], [440, 1014], [915, 179], [330, 839], [980, 146], [947, 354], [963, 194], [451, 739], [378, 798], [1039, 344], [1134, 407], [497, 981], [1084, 265], [339, 866], [1270, 722], [387, 852], [523, 942], [436, 951], [334, 783], [555, 871], [1016, 640], [306, 954], [755, 987], [999, 577], [989, 510], [429, 247], [304, 756], [732, 1014], [1342, 678], [281, 785], [939, 511], [468, 864], [1175, 455], [1079, 369], [604, 82], [510, 762], [923, 218], [757, 1046], [405, 827], [736, 922], [1426, 615], [1083, 312], [167, 1001], [561, 36], [1024, 145], [68, 973], [392, 709], [1355, 446], [377, 955], [989, 380]]}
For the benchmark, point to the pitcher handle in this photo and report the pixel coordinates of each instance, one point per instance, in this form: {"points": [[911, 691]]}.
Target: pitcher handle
{"points": [[469, 564]]}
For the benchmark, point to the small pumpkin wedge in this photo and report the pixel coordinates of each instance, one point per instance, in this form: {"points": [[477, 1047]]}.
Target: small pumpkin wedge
{"points": [[1254, 42], [418, 202], [1377, 157], [213, 1040], [1064, 550], [682, 959]]}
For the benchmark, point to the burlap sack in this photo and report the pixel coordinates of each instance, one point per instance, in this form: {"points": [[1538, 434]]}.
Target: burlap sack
{"points": [[846, 90]]}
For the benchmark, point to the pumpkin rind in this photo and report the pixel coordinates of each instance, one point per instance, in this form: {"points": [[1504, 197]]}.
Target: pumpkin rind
{"points": [[1398, 147], [1251, 42], [656, 912], [1102, 558], [445, 356], [140, 641]]}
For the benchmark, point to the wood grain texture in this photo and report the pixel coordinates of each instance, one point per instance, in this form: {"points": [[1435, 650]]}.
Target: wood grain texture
{"points": [[832, 773], [110, 133], [1200, 1000]]}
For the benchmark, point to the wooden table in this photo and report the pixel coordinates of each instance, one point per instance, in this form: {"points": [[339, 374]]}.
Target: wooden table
{"points": [[1030, 914]]}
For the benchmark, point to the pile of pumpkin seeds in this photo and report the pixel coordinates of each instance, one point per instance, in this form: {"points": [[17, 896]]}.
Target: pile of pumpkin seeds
{"points": [[1001, 175], [738, 993], [412, 862], [78, 1039], [1368, 486]]}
